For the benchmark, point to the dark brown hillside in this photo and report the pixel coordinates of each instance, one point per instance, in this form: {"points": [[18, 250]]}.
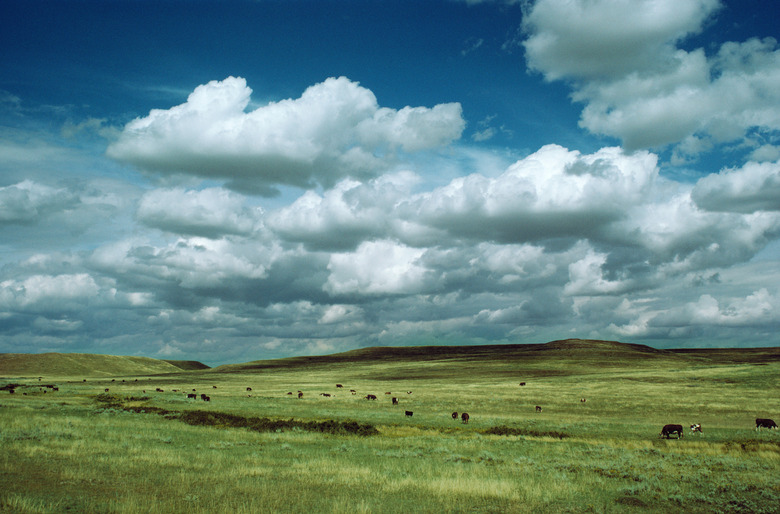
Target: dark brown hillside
{"points": [[583, 351]]}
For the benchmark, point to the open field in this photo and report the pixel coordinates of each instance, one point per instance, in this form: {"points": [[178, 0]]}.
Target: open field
{"points": [[134, 449]]}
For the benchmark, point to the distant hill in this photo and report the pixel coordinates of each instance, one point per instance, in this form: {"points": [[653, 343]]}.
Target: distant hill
{"points": [[592, 351], [581, 354], [88, 365]]}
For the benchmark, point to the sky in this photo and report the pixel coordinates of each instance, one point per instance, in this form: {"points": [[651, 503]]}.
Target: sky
{"points": [[240, 180]]}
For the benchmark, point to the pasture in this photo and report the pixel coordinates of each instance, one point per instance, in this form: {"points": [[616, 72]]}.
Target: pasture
{"points": [[137, 449]]}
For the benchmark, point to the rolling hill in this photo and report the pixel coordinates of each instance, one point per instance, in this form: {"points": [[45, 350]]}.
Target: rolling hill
{"points": [[88, 365]]}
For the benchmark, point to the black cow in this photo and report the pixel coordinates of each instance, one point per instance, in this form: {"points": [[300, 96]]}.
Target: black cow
{"points": [[765, 423], [395, 400], [339, 385], [409, 414], [455, 415], [464, 417], [207, 399], [370, 397], [106, 389], [300, 395], [203, 397], [192, 395], [668, 430], [248, 388], [522, 384]]}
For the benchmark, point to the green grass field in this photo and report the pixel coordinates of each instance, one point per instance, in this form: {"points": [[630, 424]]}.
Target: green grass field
{"points": [[134, 449]]}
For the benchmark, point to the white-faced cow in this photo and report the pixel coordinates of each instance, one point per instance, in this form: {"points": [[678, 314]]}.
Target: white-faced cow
{"points": [[455, 415], [538, 408], [696, 427], [668, 430], [395, 400], [464, 417], [765, 423]]}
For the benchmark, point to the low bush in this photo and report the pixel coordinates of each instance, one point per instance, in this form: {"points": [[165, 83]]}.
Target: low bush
{"points": [[528, 432]]}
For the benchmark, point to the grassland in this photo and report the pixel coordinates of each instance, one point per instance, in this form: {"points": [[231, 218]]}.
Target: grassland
{"points": [[134, 449]]}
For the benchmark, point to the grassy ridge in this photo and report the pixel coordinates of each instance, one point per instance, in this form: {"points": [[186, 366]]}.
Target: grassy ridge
{"points": [[82, 449], [87, 365]]}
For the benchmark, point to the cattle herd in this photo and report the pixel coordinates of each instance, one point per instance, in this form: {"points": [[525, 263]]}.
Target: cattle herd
{"points": [[667, 431]]}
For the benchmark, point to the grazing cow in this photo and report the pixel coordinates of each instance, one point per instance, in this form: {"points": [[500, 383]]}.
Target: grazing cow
{"points": [[106, 389], [213, 387], [339, 385], [464, 417], [192, 395], [161, 391], [395, 400], [388, 392], [668, 430], [696, 427], [207, 398], [408, 392], [326, 395], [582, 400], [352, 391], [409, 414], [248, 388], [522, 384], [300, 395], [203, 397], [538, 408], [455, 415], [765, 423], [290, 393], [370, 397]]}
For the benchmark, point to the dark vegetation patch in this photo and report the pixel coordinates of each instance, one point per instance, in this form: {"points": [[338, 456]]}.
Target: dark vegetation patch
{"points": [[529, 432], [227, 420]]}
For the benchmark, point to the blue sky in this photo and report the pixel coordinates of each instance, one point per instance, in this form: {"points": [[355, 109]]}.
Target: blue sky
{"points": [[229, 181]]}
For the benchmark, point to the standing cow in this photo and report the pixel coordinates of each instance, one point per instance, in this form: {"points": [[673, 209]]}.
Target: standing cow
{"points": [[455, 415], [696, 427], [464, 417], [668, 430]]}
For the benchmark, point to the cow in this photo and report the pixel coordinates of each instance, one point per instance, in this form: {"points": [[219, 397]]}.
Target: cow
{"points": [[409, 413], [370, 397], [765, 423], [582, 400], [106, 389], [668, 430], [248, 388], [300, 395], [290, 393], [696, 427], [161, 391], [408, 392], [326, 395], [464, 417], [353, 391], [395, 400], [538, 408], [213, 387], [339, 385], [207, 398], [192, 395], [388, 392], [203, 397], [522, 384], [455, 415]]}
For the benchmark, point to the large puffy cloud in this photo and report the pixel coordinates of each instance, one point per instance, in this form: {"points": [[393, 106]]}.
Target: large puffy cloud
{"points": [[638, 86], [211, 212], [336, 129], [754, 187]]}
